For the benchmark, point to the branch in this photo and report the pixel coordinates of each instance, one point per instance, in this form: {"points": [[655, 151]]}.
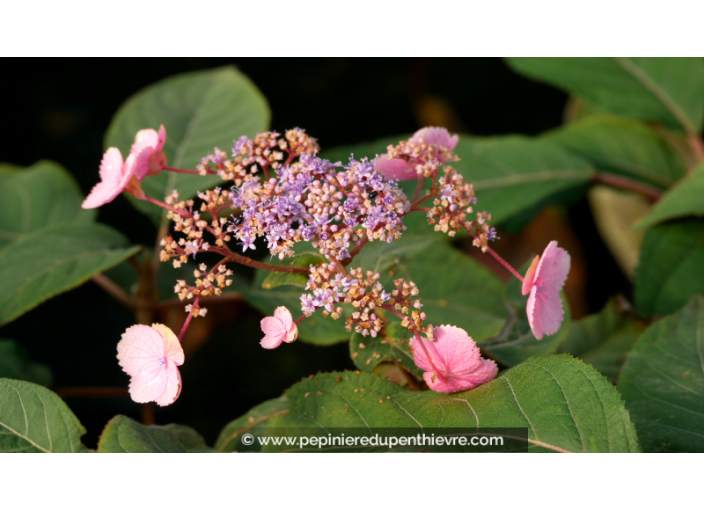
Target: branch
{"points": [[697, 146], [617, 181], [114, 290]]}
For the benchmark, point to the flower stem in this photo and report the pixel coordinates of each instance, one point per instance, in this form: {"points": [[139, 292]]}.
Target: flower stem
{"points": [[188, 320], [495, 255], [163, 205]]}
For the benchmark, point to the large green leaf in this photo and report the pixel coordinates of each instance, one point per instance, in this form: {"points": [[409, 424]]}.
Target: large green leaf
{"points": [[52, 260], [622, 146], [686, 198], [663, 382], [670, 90], [254, 423], [516, 343], [15, 364], [34, 419], [512, 174], [454, 289], [200, 110], [602, 340], [566, 406], [124, 435], [38, 196], [671, 267]]}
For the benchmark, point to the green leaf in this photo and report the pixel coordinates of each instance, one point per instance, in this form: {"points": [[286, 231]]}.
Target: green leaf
{"points": [[200, 110], [124, 435], [511, 174], [49, 261], [38, 196], [34, 419], [622, 146], [254, 422], [454, 289], [566, 406], [602, 340], [516, 343], [670, 90], [390, 346], [663, 382], [671, 267], [274, 279], [686, 198], [15, 364]]}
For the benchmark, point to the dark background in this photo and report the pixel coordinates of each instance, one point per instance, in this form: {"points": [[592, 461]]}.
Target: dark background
{"points": [[60, 110]]}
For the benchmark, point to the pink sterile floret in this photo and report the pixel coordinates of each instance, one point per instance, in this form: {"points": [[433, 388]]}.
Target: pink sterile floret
{"points": [[544, 281], [455, 363], [150, 356], [145, 158], [279, 328], [402, 170]]}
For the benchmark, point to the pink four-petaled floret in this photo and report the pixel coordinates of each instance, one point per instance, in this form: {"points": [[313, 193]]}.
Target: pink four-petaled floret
{"points": [[279, 328], [116, 175], [151, 357], [544, 280], [452, 361]]}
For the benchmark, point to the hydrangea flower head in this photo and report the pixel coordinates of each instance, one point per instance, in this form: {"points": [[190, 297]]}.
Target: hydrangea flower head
{"points": [[428, 147], [544, 280], [151, 355], [452, 361], [279, 328]]}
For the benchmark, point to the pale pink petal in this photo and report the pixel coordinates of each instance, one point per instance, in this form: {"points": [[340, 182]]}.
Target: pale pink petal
{"points": [[284, 316], [272, 326], [553, 268], [395, 168], [271, 342], [114, 179], [145, 144], [457, 351], [139, 346], [529, 278], [435, 136], [547, 313], [149, 383], [172, 347], [173, 386]]}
